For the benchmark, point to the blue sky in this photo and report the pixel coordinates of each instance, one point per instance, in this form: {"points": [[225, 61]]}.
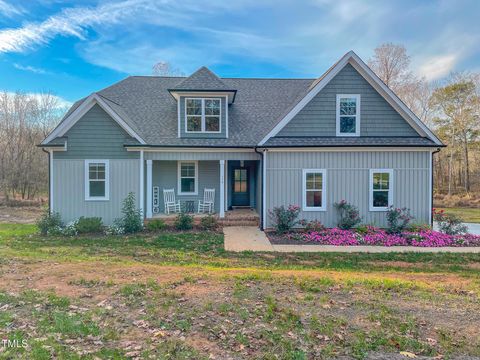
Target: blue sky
{"points": [[73, 48]]}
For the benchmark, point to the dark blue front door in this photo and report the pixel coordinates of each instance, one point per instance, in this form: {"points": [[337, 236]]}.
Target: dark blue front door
{"points": [[240, 188]]}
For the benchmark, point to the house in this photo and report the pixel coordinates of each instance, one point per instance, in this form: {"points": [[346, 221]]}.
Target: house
{"points": [[259, 143]]}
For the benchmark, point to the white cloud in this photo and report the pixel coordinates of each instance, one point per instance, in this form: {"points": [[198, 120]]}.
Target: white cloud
{"points": [[30, 68], [61, 103], [438, 66], [10, 10]]}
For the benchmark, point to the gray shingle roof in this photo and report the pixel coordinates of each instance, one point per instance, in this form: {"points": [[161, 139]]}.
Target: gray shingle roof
{"points": [[349, 141], [202, 79]]}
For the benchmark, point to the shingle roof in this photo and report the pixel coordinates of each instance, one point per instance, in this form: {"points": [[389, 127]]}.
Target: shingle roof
{"points": [[202, 79], [349, 141]]}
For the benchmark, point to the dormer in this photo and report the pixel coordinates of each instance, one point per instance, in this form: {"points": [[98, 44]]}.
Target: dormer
{"points": [[202, 103]]}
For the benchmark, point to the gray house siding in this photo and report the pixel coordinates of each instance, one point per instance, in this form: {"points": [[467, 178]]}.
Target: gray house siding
{"points": [[223, 121], [377, 116], [96, 136], [69, 189], [198, 155], [348, 179]]}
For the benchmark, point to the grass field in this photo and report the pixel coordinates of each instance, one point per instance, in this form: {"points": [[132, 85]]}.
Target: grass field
{"points": [[181, 296], [469, 215]]}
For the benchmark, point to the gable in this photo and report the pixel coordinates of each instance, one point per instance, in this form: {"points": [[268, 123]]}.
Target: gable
{"points": [[318, 117], [96, 136]]}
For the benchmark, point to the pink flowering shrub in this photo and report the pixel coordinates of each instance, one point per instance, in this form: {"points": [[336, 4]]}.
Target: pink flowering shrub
{"points": [[285, 218], [379, 237]]}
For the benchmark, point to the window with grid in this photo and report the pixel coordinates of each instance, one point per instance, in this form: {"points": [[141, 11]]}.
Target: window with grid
{"points": [[313, 189], [348, 115], [96, 179], [188, 178], [381, 189], [202, 115]]}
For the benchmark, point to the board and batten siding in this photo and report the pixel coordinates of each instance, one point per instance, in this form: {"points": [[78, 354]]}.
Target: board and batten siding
{"points": [[165, 176], [223, 119], [96, 136], [348, 179], [318, 117], [69, 189], [199, 155]]}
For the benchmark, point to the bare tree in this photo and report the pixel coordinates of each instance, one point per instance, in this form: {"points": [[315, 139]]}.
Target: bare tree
{"points": [[164, 68], [391, 64]]}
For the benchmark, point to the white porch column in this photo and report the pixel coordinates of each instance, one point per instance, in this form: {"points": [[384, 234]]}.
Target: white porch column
{"points": [[264, 189], [222, 188], [149, 189], [140, 195], [50, 202]]}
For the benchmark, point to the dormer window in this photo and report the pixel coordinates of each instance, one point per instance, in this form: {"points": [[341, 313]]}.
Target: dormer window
{"points": [[348, 115], [202, 115]]}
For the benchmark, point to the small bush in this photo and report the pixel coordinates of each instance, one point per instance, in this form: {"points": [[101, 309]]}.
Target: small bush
{"points": [[89, 225], [448, 223], [208, 223], [313, 225], [132, 219], [184, 221], [115, 229], [285, 218], [156, 225], [70, 229], [50, 223], [398, 219], [417, 227], [349, 215]]}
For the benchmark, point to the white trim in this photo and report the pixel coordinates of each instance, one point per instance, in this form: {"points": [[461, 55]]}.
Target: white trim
{"points": [[179, 178], [390, 189], [203, 116], [226, 184], [179, 118], [87, 180], [357, 114], [141, 201], [191, 149], [264, 187], [77, 114], [222, 189], [51, 182], [179, 94], [149, 189], [430, 192], [350, 149], [304, 190], [370, 76], [226, 117]]}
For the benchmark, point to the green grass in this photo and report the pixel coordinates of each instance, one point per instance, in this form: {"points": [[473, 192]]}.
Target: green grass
{"points": [[467, 214]]}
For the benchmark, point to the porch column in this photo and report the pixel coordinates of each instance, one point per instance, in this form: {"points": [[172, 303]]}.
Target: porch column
{"points": [[141, 194], [222, 188], [149, 189]]}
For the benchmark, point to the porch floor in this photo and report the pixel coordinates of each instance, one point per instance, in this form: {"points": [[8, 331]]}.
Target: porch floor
{"points": [[236, 217]]}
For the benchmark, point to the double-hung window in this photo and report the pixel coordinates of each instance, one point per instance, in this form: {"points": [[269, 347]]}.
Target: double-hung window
{"points": [[187, 178], [381, 189], [202, 115], [314, 181], [348, 115], [97, 179]]}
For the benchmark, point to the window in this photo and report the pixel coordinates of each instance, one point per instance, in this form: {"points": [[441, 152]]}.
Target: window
{"points": [[202, 115], [240, 180], [381, 189], [314, 181], [348, 115], [187, 178], [96, 180]]}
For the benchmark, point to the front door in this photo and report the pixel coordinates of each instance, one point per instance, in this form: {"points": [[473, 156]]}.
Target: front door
{"points": [[240, 190]]}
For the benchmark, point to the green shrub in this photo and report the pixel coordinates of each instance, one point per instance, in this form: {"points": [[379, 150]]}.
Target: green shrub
{"points": [[349, 215], [312, 226], [184, 221], [156, 225], [89, 225], [50, 223], [285, 219], [448, 223], [209, 223], [398, 219], [132, 219], [417, 227]]}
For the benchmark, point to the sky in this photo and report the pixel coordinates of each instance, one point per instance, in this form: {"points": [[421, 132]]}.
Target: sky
{"points": [[73, 48]]}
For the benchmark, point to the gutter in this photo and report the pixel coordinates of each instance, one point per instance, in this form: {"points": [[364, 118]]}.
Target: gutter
{"points": [[431, 210]]}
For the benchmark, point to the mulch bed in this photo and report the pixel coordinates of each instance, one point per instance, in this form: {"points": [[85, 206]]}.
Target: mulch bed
{"points": [[282, 239]]}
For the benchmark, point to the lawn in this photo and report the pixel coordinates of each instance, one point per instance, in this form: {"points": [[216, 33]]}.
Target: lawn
{"points": [[181, 296], [469, 215]]}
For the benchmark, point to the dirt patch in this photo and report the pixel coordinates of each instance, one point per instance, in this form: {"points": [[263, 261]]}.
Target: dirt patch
{"points": [[20, 214]]}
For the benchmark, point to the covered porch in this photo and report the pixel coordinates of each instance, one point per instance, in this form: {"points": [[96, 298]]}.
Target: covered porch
{"points": [[234, 176]]}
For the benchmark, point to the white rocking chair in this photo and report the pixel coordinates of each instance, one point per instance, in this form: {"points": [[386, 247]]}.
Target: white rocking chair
{"points": [[169, 200], [208, 201]]}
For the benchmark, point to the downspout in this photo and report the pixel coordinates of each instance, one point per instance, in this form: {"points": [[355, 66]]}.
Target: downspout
{"points": [[263, 186], [431, 190], [49, 181]]}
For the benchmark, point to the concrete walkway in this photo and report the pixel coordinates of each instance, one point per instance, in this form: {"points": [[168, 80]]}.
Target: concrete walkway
{"points": [[251, 238]]}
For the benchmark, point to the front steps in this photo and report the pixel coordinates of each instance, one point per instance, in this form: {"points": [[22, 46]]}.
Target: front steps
{"points": [[237, 217]]}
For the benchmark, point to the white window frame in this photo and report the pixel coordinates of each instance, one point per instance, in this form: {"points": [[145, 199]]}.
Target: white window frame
{"points": [[87, 180], [203, 116], [179, 177], [304, 190], [390, 189], [357, 115]]}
